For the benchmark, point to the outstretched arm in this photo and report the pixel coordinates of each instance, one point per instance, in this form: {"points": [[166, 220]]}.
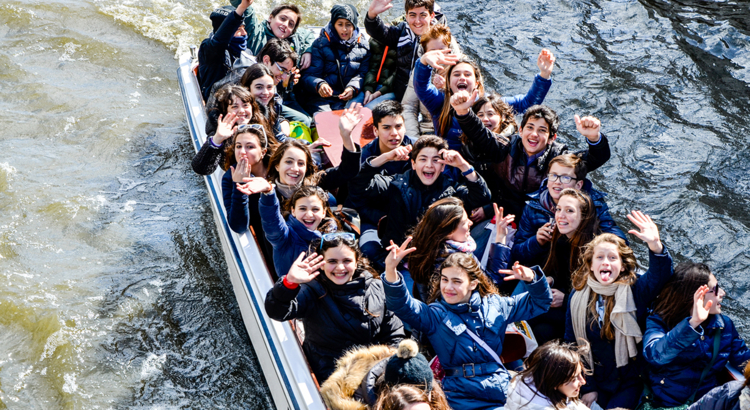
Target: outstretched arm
{"points": [[482, 138]]}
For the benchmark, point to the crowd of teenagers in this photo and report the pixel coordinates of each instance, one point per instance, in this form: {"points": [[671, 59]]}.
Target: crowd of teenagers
{"points": [[453, 224]]}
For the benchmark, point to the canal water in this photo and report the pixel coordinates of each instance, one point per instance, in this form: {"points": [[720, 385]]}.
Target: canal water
{"points": [[114, 292]]}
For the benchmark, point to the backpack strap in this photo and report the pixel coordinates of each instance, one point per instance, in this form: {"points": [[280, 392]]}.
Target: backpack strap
{"points": [[717, 341]]}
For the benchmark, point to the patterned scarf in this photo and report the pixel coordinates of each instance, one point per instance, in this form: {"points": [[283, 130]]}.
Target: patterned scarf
{"points": [[466, 247]]}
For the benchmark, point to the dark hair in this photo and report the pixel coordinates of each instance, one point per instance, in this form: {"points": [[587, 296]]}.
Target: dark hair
{"points": [[265, 140], [253, 73], [440, 220], [389, 108], [502, 108], [413, 4], [552, 365], [675, 302], [278, 51], [436, 32], [627, 276], [310, 169], [404, 395], [571, 161], [446, 114], [329, 223], [281, 7], [542, 111], [468, 264], [585, 232], [427, 141], [336, 241]]}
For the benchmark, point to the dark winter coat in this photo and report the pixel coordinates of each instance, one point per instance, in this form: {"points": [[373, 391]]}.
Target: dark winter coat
{"points": [[607, 376], [340, 64], [726, 397], [209, 157], [527, 250], [518, 178], [677, 357], [382, 71], [433, 99], [336, 317], [445, 326], [404, 41], [258, 33]]}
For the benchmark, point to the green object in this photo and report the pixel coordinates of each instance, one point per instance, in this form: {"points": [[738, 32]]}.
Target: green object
{"points": [[300, 131]]}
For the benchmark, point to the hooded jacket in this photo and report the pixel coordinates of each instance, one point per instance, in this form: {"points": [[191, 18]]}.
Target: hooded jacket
{"points": [[336, 317], [725, 397], [337, 62], [524, 396], [445, 326], [677, 357], [349, 387]]}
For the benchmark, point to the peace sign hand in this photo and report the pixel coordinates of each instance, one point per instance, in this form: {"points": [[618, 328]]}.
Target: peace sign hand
{"points": [[305, 270], [648, 233], [396, 255], [518, 272], [501, 225], [700, 309]]}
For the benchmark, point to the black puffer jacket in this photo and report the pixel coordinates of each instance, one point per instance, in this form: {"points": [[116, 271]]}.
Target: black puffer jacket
{"points": [[406, 44], [336, 317]]}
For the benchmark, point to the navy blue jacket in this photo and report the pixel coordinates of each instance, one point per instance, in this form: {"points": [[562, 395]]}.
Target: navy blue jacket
{"points": [[677, 357], [607, 376], [336, 317], [726, 397], [445, 326], [433, 99], [338, 63], [527, 250]]}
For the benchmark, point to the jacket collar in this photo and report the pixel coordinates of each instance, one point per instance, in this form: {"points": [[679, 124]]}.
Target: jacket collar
{"points": [[300, 229]]}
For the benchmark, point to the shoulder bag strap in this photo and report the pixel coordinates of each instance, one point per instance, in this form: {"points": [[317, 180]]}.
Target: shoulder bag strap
{"points": [[717, 341], [481, 342]]}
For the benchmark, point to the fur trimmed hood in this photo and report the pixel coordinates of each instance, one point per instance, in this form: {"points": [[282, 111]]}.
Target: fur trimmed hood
{"points": [[351, 369]]}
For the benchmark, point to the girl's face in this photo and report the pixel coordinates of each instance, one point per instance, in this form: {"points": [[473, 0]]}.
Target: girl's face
{"points": [[462, 233], [263, 89], [490, 118], [282, 25], [243, 110], [715, 294], [344, 28], [292, 166], [247, 146], [572, 388], [568, 215], [340, 264], [310, 211], [606, 263], [463, 78], [455, 285]]}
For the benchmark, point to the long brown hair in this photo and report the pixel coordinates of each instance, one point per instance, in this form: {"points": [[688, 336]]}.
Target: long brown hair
{"points": [[310, 168], [675, 302], [225, 96], [404, 395], [502, 108], [552, 365], [329, 223], [253, 73], [627, 276], [440, 220], [585, 232], [468, 264], [264, 140], [446, 114]]}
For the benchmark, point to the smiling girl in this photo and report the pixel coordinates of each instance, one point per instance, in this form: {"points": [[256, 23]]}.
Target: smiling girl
{"points": [[466, 321], [686, 334], [260, 81], [341, 308], [608, 307]]}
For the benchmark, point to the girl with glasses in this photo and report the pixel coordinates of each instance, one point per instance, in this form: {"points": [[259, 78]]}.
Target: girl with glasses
{"points": [[339, 300], [687, 335]]}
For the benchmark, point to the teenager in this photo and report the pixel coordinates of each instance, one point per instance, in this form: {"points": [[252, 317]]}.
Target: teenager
{"points": [[341, 308], [223, 49], [409, 194], [730, 396], [466, 322], [608, 308], [463, 75], [688, 340], [523, 162], [259, 80], [340, 60], [552, 380], [234, 107], [406, 397], [532, 241]]}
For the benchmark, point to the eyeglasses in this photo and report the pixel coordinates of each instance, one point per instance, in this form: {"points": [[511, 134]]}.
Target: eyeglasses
{"points": [[333, 235], [245, 127], [715, 289], [564, 179], [284, 72]]}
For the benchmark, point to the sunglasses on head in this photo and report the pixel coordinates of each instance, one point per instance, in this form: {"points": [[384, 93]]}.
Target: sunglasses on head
{"points": [[245, 127], [327, 237]]}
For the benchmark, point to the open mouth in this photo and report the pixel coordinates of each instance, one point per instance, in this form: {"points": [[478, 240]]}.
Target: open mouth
{"points": [[428, 174], [293, 177], [605, 275], [462, 86], [340, 275], [309, 223], [394, 142], [533, 142]]}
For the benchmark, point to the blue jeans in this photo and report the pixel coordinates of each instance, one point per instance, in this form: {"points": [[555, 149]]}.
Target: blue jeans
{"points": [[384, 97], [319, 104], [292, 111]]}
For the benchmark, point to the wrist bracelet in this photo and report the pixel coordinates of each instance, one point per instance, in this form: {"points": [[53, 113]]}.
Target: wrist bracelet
{"points": [[468, 172]]}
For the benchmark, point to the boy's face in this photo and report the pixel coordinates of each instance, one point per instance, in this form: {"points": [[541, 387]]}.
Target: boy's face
{"points": [[390, 132], [535, 136], [344, 28], [419, 19], [427, 166], [282, 25], [554, 180]]}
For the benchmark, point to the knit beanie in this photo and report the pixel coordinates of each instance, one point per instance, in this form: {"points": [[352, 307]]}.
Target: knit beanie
{"points": [[408, 366], [346, 11], [219, 15]]}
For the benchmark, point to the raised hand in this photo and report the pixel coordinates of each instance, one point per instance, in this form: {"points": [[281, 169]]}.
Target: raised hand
{"points": [[439, 58], [463, 100], [545, 62], [242, 172], [305, 270], [700, 307], [318, 145], [452, 158], [347, 95], [438, 81], [589, 127], [518, 272], [378, 6], [325, 90], [400, 153], [395, 256], [648, 233], [243, 6], [254, 186], [225, 128], [544, 234], [501, 225], [349, 119]]}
